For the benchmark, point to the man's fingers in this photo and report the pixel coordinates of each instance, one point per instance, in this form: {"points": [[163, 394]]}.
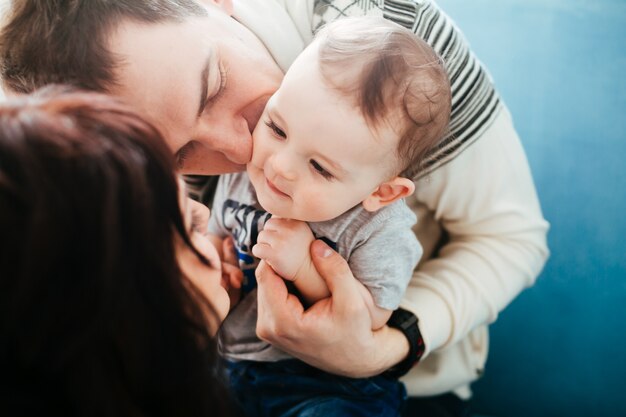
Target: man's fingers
{"points": [[277, 309], [270, 285]]}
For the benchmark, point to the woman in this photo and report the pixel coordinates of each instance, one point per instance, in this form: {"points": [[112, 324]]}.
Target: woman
{"points": [[109, 298]]}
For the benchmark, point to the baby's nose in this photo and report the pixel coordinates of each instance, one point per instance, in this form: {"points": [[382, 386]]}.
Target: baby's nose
{"points": [[282, 165]]}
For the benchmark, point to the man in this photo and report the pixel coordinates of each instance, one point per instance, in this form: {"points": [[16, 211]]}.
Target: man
{"points": [[204, 75]]}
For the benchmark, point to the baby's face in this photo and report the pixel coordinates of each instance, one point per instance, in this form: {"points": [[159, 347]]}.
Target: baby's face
{"points": [[314, 156]]}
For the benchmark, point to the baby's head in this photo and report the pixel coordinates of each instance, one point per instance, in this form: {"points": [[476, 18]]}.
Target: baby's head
{"points": [[394, 78], [355, 116]]}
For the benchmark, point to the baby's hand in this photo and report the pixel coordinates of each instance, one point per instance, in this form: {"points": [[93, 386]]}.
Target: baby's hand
{"points": [[284, 245]]}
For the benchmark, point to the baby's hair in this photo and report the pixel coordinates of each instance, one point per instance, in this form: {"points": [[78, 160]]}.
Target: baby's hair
{"points": [[400, 80]]}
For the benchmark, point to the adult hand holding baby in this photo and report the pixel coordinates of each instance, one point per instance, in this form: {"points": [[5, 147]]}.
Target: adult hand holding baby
{"points": [[335, 334]]}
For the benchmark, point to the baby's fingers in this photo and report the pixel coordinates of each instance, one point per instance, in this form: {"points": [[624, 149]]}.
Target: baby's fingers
{"points": [[267, 236], [275, 224], [262, 250]]}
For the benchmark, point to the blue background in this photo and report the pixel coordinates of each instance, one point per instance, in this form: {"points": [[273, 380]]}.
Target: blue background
{"points": [[560, 348]]}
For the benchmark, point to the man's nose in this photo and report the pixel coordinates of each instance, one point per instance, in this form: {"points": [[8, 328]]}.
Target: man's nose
{"points": [[229, 136]]}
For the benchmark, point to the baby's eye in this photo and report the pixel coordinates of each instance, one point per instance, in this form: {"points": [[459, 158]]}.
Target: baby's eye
{"points": [[277, 130], [320, 170]]}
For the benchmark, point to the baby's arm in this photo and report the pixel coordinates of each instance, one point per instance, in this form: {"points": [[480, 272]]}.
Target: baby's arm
{"points": [[284, 244], [378, 315]]}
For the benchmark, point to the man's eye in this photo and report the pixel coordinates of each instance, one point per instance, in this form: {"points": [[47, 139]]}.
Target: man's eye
{"points": [[277, 130], [320, 170], [222, 87]]}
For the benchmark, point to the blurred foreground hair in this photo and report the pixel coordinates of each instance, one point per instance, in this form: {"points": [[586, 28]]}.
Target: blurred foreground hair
{"points": [[96, 318]]}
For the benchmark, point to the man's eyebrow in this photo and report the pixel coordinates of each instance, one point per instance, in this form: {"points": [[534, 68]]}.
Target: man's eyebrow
{"points": [[204, 86]]}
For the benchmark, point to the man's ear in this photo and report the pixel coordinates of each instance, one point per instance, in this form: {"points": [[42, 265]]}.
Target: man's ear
{"points": [[388, 192], [226, 5]]}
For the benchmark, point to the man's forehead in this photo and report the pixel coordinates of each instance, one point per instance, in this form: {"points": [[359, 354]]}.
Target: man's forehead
{"points": [[160, 67], [130, 32]]}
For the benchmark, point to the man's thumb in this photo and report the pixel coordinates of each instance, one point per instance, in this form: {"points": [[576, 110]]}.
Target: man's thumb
{"points": [[330, 265]]}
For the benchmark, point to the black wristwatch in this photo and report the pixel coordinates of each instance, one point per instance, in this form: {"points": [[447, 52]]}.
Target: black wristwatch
{"points": [[406, 322]]}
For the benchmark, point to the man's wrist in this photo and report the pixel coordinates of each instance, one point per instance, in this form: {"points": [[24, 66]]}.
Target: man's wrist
{"points": [[407, 323]]}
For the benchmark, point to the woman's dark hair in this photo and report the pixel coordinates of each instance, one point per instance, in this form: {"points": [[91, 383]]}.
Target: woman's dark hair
{"points": [[96, 318]]}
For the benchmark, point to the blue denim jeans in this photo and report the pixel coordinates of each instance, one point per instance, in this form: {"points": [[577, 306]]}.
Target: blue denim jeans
{"points": [[292, 388]]}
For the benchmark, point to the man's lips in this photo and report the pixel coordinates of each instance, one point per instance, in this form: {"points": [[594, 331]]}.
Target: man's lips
{"points": [[275, 189]]}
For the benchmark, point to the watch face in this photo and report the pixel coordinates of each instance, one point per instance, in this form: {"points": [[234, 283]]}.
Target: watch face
{"points": [[406, 322], [403, 319]]}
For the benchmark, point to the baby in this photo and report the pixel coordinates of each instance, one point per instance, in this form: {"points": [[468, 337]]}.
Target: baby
{"points": [[334, 155]]}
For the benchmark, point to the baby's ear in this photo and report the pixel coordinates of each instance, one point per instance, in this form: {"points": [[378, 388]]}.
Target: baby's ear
{"points": [[388, 192]]}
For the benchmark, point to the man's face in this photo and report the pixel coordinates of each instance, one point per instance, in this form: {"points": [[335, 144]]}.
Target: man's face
{"points": [[203, 81]]}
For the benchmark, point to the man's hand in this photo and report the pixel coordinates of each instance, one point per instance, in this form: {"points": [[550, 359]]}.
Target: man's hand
{"points": [[335, 333], [284, 245]]}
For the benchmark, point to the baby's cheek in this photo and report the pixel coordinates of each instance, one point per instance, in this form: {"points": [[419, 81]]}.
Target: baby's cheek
{"points": [[320, 205]]}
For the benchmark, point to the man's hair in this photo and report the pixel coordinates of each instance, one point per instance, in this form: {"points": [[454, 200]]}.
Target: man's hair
{"points": [[65, 41], [399, 80], [97, 316]]}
